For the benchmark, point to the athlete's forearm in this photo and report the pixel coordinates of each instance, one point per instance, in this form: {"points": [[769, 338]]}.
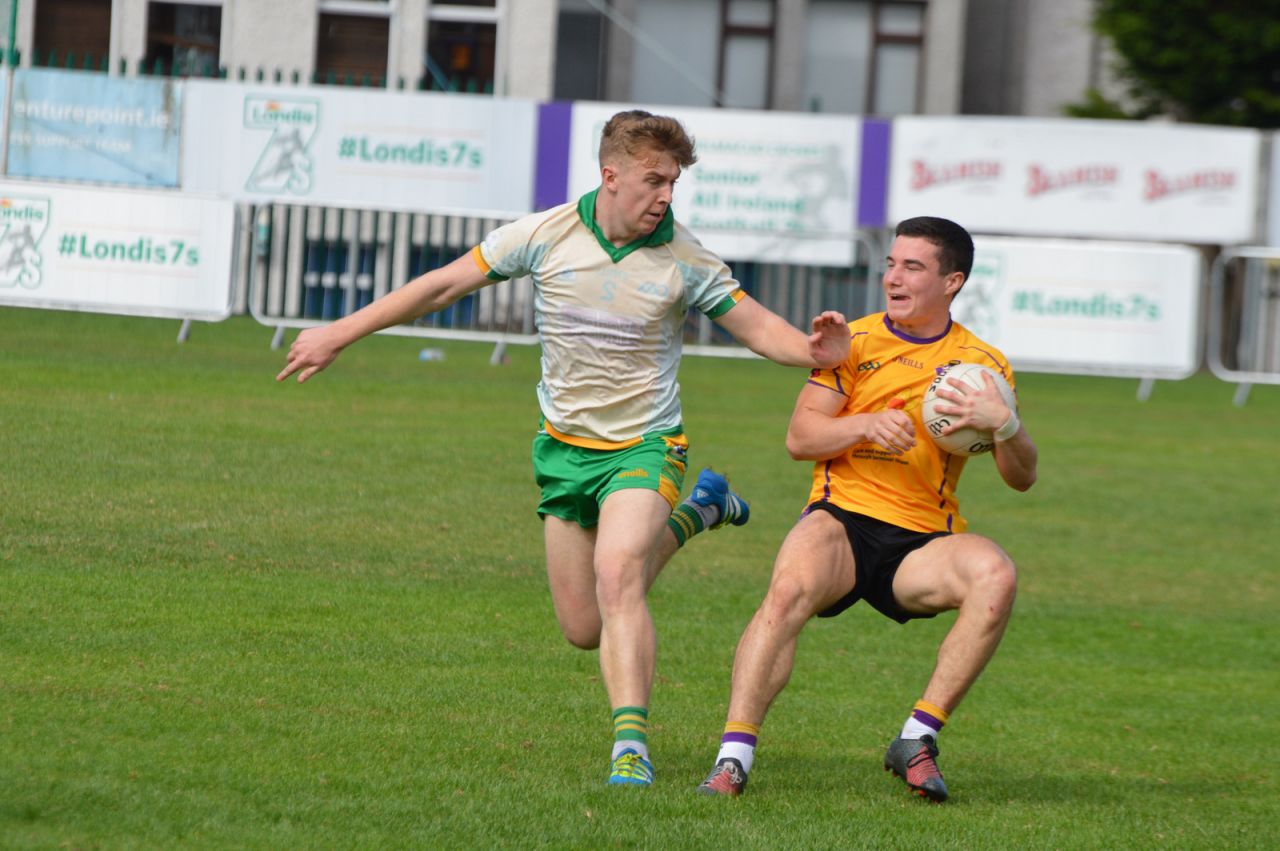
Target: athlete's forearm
{"points": [[815, 437], [767, 334], [1016, 460], [779, 341], [786, 346], [395, 308], [427, 293]]}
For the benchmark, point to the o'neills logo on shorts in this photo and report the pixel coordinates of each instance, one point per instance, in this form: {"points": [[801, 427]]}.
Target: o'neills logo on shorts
{"points": [[925, 175], [1040, 180], [1157, 185]]}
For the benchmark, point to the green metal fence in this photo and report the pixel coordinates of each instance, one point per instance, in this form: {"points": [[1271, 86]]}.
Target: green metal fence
{"points": [[158, 67]]}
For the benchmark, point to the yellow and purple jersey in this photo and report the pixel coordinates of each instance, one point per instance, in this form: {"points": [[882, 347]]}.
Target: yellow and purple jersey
{"points": [[610, 319], [889, 369]]}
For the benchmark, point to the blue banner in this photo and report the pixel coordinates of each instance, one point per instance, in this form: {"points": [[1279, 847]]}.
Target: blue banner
{"points": [[82, 125]]}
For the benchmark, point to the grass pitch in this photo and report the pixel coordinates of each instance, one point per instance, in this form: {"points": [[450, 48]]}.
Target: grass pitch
{"points": [[236, 614]]}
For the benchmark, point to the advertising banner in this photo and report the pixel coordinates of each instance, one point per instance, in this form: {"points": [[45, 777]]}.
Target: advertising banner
{"points": [[770, 186], [366, 148], [81, 125], [1086, 307], [115, 251], [1272, 235], [1104, 179]]}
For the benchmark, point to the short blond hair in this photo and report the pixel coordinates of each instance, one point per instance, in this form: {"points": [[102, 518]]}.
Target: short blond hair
{"points": [[635, 132]]}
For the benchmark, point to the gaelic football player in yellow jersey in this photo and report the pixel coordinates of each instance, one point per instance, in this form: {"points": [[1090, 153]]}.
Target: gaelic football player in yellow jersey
{"points": [[882, 522], [614, 276]]}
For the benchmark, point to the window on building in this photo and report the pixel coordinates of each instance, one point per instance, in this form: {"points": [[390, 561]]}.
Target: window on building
{"points": [[460, 56], [746, 53], [462, 46], [183, 39], [352, 49], [675, 52], [864, 56], [897, 47], [580, 54], [704, 52], [77, 28], [839, 56]]}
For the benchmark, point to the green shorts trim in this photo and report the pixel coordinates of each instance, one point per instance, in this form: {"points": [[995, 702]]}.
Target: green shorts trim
{"points": [[575, 480]]}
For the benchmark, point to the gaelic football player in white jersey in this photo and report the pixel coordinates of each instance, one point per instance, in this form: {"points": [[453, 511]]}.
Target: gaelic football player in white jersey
{"points": [[614, 275]]}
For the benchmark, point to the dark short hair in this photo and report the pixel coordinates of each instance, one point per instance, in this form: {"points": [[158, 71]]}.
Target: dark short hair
{"points": [[636, 132], [955, 246]]}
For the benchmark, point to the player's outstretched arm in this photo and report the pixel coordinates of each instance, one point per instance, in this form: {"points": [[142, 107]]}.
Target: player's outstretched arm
{"points": [[769, 335], [316, 348]]}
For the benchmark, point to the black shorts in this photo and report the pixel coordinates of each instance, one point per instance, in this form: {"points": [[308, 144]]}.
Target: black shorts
{"points": [[878, 551]]}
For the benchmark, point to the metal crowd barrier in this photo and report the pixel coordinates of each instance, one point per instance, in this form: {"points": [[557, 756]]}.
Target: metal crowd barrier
{"points": [[307, 266], [1243, 335], [302, 266]]}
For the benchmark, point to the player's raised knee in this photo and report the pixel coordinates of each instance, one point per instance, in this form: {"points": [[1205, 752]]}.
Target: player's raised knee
{"points": [[996, 576], [584, 636]]}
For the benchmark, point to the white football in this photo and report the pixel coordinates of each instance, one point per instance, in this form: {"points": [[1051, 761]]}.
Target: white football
{"points": [[966, 441]]}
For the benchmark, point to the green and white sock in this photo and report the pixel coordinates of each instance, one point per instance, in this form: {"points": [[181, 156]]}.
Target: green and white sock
{"points": [[688, 519], [631, 730]]}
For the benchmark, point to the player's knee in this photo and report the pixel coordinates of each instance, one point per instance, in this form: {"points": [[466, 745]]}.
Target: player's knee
{"points": [[581, 636], [996, 577], [579, 624], [618, 587], [789, 597]]}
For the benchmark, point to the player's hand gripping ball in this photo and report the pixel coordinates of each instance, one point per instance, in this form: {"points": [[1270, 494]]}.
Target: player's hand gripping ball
{"points": [[965, 441]]}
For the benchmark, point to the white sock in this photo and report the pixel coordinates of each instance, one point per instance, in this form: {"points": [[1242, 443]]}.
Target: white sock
{"points": [[926, 719], [914, 729], [740, 751], [641, 748]]}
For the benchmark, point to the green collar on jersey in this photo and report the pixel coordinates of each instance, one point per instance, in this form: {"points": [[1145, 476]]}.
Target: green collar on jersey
{"points": [[662, 234]]}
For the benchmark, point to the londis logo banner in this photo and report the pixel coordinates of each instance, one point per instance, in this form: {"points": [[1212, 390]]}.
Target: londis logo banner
{"points": [[1062, 177], [115, 251], [285, 164], [23, 221], [1086, 307], [371, 148]]}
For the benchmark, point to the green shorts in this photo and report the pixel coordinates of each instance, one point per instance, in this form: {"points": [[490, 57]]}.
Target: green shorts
{"points": [[575, 480]]}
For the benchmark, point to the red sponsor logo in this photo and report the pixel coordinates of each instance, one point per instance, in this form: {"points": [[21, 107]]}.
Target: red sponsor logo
{"points": [[1159, 185], [1040, 181], [924, 175]]}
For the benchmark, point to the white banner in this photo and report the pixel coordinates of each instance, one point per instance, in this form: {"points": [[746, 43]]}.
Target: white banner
{"points": [[364, 148], [770, 186], [126, 251], [1272, 234], [1105, 179], [1086, 307]]}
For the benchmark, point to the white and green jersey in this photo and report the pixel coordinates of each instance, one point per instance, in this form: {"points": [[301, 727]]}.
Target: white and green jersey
{"points": [[610, 319]]}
